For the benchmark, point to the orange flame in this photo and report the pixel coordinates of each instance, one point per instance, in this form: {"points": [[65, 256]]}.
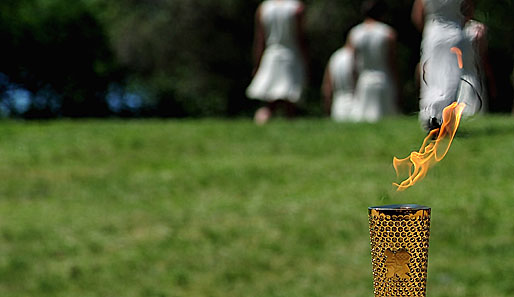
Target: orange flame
{"points": [[458, 52], [434, 148]]}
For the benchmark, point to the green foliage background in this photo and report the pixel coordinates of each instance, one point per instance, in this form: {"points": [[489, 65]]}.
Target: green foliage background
{"points": [[191, 57]]}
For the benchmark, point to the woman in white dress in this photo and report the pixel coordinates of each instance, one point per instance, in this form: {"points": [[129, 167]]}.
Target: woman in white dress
{"points": [[374, 45], [448, 70], [338, 85], [281, 57]]}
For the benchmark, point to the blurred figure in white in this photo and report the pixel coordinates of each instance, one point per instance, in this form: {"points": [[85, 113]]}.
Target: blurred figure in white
{"points": [[280, 57], [338, 85], [374, 45], [476, 32], [448, 72]]}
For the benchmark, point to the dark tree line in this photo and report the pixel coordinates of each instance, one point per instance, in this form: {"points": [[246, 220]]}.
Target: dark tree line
{"points": [[177, 58], [58, 52]]}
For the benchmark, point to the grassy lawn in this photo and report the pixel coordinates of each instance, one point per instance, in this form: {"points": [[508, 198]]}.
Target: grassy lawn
{"points": [[222, 208]]}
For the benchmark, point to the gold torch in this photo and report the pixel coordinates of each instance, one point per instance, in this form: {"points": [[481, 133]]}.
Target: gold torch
{"points": [[399, 249]]}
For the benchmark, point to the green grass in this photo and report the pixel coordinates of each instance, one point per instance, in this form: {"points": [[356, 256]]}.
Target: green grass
{"points": [[221, 208]]}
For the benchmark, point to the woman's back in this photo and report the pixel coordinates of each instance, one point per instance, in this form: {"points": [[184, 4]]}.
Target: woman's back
{"points": [[279, 22], [375, 91], [282, 62], [444, 10], [371, 43]]}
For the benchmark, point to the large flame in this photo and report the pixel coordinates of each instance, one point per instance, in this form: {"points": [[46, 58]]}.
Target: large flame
{"points": [[434, 148]]}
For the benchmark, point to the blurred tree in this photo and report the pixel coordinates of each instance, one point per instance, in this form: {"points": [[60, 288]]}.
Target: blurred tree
{"points": [[192, 56], [58, 52], [497, 15]]}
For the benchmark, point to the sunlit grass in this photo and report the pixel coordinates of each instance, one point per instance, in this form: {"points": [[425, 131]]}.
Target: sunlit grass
{"points": [[225, 208]]}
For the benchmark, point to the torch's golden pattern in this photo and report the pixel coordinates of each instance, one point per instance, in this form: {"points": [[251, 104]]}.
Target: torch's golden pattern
{"points": [[397, 263], [399, 249]]}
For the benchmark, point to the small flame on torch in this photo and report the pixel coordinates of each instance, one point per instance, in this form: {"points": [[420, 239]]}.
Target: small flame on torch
{"points": [[434, 148]]}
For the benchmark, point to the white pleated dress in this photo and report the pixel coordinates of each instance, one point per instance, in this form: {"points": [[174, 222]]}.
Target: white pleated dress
{"points": [[340, 67], [442, 81], [281, 73], [375, 90]]}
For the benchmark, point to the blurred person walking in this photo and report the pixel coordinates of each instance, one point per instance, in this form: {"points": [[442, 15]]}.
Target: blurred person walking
{"points": [[280, 57], [447, 68], [374, 46], [339, 84], [476, 32]]}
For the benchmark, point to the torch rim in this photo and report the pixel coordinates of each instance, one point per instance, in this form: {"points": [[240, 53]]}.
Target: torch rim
{"points": [[399, 207]]}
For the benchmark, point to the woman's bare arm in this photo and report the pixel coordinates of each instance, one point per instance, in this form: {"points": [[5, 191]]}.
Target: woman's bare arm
{"points": [[418, 14], [259, 42], [327, 90]]}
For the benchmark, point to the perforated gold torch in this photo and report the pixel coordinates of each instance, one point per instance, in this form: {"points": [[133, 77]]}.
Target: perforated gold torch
{"points": [[399, 249]]}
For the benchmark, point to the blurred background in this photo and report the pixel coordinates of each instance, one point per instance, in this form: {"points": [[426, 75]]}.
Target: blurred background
{"points": [[185, 58]]}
